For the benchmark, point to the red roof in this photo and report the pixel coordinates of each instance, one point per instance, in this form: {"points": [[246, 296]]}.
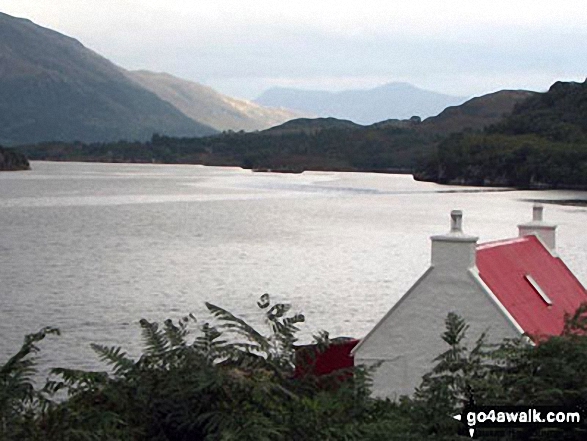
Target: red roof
{"points": [[505, 266]]}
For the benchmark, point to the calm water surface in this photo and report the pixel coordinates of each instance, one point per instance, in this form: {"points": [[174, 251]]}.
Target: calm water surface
{"points": [[92, 248]]}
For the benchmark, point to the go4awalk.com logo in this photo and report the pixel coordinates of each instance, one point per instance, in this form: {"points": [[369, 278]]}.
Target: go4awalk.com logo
{"points": [[519, 417]]}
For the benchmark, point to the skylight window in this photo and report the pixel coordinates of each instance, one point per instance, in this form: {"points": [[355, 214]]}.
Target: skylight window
{"points": [[537, 288]]}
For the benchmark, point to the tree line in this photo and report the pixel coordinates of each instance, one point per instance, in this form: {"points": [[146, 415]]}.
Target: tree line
{"points": [[329, 148]]}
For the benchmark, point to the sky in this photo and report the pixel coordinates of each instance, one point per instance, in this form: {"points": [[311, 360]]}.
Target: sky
{"points": [[241, 48]]}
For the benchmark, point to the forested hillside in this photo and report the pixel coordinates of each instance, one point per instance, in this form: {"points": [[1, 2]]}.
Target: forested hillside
{"points": [[366, 149], [543, 143]]}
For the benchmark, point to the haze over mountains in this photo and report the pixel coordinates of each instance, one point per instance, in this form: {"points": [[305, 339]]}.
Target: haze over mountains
{"points": [[393, 100], [52, 88], [204, 104], [473, 115]]}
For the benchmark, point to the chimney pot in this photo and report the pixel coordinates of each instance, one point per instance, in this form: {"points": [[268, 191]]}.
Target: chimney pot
{"points": [[537, 210], [456, 221], [454, 251], [544, 230]]}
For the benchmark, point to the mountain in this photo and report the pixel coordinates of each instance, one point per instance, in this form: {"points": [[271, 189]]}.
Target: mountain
{"points": [[204, 104], [560, 114], [541, 144], [301, 144], [477, 113], [54, 88], [473, 115], [311, 126], [393, 100]]}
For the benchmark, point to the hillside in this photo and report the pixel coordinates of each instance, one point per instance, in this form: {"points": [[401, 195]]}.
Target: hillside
{"points": [[477, 113], [542, 144], [205, 105], [300, 144], [390, 101], [559, 114], [53, 88], [311, 126], [11, 160]]}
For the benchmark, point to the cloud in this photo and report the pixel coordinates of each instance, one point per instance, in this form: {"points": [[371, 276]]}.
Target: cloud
{"points": [[225, 41]]}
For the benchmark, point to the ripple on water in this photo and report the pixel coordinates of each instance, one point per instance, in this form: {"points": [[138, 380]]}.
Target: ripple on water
{"points": [[92, 248]]}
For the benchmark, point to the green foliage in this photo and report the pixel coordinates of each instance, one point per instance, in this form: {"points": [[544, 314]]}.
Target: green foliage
{"points": [[550, 372], [543, 143], [459, 375], [576, 323], [225, 379], [12, 160], [526, 161], [220, 380], [18, 397], [330, 148]]}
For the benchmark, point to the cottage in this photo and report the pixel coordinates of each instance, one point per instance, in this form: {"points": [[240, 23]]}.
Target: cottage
{"points": [[507, 288]]}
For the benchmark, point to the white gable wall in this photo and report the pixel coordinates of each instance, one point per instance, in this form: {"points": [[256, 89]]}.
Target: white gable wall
{"points": [[408, 339]]}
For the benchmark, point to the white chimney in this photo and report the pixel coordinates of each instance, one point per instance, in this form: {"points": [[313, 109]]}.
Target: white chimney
{"points": [[455, 249], [545, 231]]}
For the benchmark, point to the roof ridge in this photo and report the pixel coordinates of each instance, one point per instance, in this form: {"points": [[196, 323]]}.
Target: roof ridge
{"points": [[501, 242]]}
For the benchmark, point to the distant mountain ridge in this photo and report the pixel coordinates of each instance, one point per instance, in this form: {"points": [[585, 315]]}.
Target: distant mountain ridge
{"points": [[54, 88], [303, 144], [389, 101], [473, 115], [204, 104]]}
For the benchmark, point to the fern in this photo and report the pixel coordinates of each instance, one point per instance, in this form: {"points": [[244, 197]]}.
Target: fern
{"points": [[75, 381], [235, 324], [176, 334], [114, 356], [208, 343], [227, 380], [18, 396], [155, 340], [273, 352]]}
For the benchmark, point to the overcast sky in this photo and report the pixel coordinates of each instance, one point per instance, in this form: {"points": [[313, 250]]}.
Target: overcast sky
{"points": [[242, 47]]}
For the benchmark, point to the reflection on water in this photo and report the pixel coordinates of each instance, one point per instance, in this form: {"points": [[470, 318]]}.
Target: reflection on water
{"points": [[92, 248]]}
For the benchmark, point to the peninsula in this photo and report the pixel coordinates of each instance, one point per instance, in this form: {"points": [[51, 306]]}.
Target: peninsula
{"points": [[11, 160]]}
